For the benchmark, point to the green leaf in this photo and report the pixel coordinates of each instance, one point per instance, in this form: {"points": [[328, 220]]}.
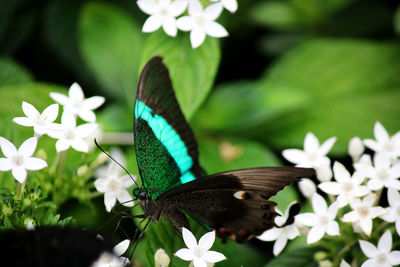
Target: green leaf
{"points": [[192, 71], [397, 20], [301, 257], [111, 43], [12, 73], [276, 14]]}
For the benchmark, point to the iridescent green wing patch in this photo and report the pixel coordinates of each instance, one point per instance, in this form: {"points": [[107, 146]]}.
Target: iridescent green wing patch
{"points": [[165, 146]]}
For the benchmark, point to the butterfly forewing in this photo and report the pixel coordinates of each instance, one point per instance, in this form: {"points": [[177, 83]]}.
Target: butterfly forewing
{"points": [[166, 149]]}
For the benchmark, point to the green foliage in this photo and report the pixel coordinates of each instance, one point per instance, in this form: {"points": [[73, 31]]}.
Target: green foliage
{"points": [[192, 71], [12, 72], [301, 257]]}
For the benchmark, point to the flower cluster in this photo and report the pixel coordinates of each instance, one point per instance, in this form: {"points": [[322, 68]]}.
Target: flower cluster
{"points": [[68, 134], [353, 200], [200, 20]]}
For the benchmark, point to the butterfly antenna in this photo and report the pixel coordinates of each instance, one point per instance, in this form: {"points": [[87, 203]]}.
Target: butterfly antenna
{"points": [[119, 164]]}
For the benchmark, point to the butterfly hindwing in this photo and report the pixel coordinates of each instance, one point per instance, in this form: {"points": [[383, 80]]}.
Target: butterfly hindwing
{"points": [[235, 203], [165, 146]]}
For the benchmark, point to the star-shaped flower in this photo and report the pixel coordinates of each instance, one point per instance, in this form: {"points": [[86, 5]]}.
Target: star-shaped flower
{"points": [[200, 22], [71, 135], [384, 143], [346, 187], [393, 211], [162, 13], [199, 253], [21, 160], [383, 174], [76, 103], [230, 5], [281, 235], [41, 122], [313, 156], [112, 184], [363, 212], [382, 255], [321, 221]]}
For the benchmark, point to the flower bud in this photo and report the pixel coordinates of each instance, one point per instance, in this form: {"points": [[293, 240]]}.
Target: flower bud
{"points": [[307, 187], [161, 258], [82, 170], [41, 153], [356, 148]]}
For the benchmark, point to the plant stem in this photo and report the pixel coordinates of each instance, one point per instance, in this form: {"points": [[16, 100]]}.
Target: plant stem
{"points": [[20, 190], [63, 157], [341, 252]]}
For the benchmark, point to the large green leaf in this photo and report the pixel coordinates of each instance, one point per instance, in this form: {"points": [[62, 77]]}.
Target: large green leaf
{"points": [[111, 43], [192, 70], [12, 73]]}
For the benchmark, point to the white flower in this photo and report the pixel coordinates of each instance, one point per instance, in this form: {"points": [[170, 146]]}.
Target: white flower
{"points": [[322, 221], [307, 187], [356, 148], [114, 259], [21, 160], [343, 263], [383, 174], [29, 225], [72, 135], [281, 235], [112, 185], [346, 187], [393, 211], [162, 13], [363, 212], [161, 258], [201, 22], [230, 5], [199, 253], [382, 255], [384, 143], [41, 122], [313, 156], [76, 103]]}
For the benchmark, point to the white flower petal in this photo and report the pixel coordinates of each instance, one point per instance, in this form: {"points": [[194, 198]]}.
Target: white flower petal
{"points": [[24, 121], [199, 262], [75, 93], [80, 145], [169, 26], [393, 197], [50, 113], [195, 7], [28, 147], [148, 7], [7, 147], [126, 181], [230, 5], [311, 143], [152, 23], [356, 148], [341, 173], [189, 238], [185, 254], [324, 172], [101, 184], [319, 204], [178, 7], [366, 225], [295, 156], [213, 256], [368, 249], [332, 228], [343, 263], [394, 257], [308, 218], [326, 146], [185, 23], [19, 174], [197, 37], [207, 240], [34, 164], [125, 198], [62, 145], [87, 115], [351, 216], [68, 119], [331, 188], [121, 247], [30, 111], [380, 133], [307, 187], [372, 144], [279, 245], [60, 98], [315, 234], [5, 164], [109, 201], [86, 129], [270, 235], [215, 29], [93, 102], [385, 242], [213, 11]]}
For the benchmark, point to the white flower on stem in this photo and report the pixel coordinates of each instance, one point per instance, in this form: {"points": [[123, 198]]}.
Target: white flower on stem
{"points": [[114, 259], [322, 220], [393, 211], [356, 148], [71, 135], [199, 253], [21, 160], [41, 122], [382, 255], [230, 5], [200, 22], [76, 103], [161, 258], [383, 174], [346, 187], [112, 184], [384, 143], [281, 235], [162, 13], [313, 156], [307, 187], [363, 212]]}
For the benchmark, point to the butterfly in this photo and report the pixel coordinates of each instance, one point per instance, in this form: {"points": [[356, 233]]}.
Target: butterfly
{"points": [[233, 203]]}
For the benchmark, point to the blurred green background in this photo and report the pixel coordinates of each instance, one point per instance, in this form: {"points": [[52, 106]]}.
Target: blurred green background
{"points": [[331, 67]]}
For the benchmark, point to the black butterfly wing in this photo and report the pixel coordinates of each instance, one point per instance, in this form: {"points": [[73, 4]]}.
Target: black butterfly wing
{"points": [[166, 149], [235, 203]]}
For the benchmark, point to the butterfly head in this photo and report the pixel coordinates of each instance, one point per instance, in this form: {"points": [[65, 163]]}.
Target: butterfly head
{"points": [[140, 194]]}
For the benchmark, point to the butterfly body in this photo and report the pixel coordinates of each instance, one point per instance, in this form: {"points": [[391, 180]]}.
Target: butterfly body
{"points": [[234, 203]]}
